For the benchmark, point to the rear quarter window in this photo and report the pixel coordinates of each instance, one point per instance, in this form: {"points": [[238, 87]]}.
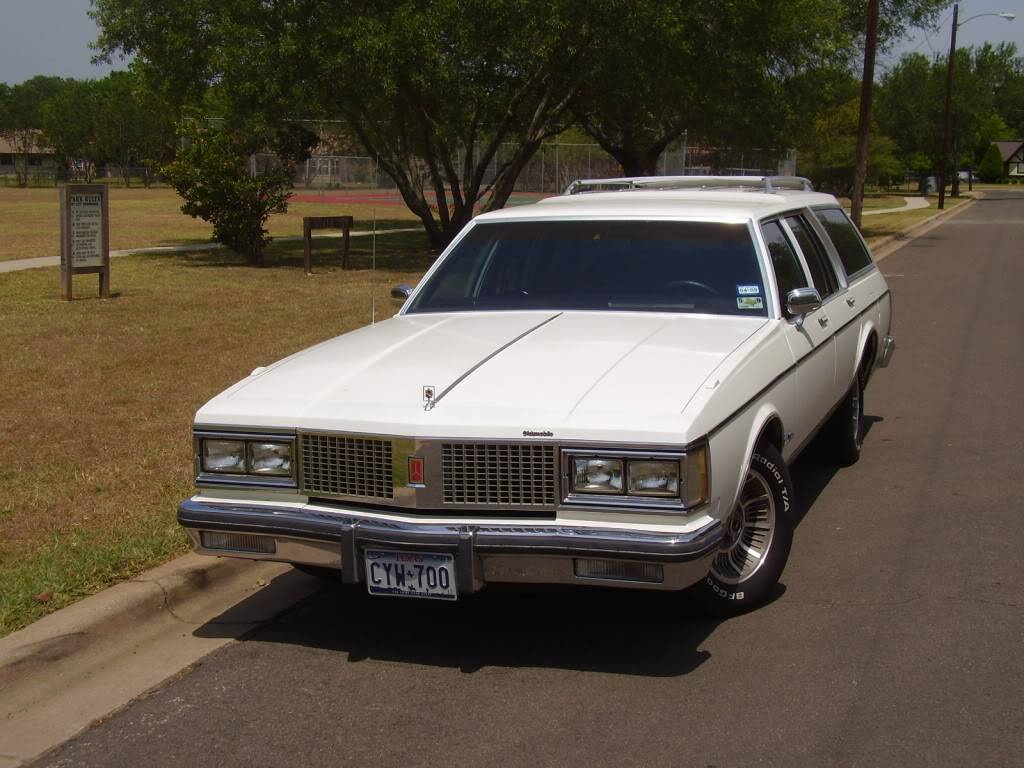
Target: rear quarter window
{"points": [[852, 252]]}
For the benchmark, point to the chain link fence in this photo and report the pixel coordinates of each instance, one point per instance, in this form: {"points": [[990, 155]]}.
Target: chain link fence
{"points": [[550, 170]]}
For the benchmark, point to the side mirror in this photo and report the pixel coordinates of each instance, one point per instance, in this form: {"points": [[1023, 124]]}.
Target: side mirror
{"points": [[802, 301], [401, 292]]}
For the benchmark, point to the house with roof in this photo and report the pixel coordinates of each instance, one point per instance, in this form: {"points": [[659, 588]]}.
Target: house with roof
{"points": [[26, 154], [1012, 153]]}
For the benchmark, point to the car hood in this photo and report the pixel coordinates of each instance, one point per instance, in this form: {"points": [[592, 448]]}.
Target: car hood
{"points": [[574, 375]]}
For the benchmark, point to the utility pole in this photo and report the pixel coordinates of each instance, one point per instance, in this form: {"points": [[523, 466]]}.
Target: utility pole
{"points": [[947, 125], [864, 122]]}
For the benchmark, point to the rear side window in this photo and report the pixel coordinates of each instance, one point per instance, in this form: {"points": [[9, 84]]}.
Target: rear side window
{"points": [[822, 273], [844, 237], [788, 272]]}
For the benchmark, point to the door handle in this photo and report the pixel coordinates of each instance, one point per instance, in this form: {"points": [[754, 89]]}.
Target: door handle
{"points": [[822, 321], [850, 301]]}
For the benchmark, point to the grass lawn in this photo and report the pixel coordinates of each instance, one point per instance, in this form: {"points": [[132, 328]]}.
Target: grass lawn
{"points": [[30, 220], [98, 397]]}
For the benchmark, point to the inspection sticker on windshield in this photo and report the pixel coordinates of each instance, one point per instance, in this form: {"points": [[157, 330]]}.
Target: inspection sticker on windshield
{"points": [[748, 290], [749, 302]]}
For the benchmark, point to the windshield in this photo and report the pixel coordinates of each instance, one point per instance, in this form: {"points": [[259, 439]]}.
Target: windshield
{"points": [[637, 266]]}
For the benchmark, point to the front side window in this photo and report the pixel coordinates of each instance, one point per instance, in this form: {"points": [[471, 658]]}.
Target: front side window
{"points": [[789, 275], [822, 273], [635, 266], [852, 253]]}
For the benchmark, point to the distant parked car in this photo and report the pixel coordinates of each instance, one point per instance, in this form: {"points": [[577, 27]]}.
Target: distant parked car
{"points": [[603, 388]]}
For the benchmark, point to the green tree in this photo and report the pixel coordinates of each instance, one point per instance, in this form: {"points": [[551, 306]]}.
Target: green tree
{"points": [[212, 174], [717, 69], [991, 167], [133, 126], [452, 97], [68, 122], [911, 103], [21, 119], [829, 157]]}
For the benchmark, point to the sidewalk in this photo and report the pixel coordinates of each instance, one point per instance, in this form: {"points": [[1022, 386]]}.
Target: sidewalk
{"points": [[910, 204], [54, 261]]}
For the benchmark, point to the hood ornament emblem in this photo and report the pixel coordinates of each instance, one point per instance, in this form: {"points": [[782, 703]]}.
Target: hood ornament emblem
{"points": [[428, 397]]}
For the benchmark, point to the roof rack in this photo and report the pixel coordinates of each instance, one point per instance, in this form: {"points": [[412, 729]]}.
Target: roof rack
{"points": [[768, 184]]}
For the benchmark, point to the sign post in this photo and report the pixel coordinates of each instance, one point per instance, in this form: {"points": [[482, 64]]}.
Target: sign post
{"points": [[84, 235]]}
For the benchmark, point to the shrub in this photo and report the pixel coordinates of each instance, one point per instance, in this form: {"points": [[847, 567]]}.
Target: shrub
{"points": [[991, 167], [212, 173]]}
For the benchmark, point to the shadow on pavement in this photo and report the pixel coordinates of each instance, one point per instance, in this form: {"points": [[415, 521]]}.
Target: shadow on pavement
{"points": [[615, 631]]}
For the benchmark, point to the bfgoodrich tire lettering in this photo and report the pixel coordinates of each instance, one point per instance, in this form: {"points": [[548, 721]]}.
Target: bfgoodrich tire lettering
{"points": [[759, 534]]}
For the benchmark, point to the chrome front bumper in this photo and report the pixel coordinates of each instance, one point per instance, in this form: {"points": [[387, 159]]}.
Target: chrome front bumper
{"points": [[533, 552]]}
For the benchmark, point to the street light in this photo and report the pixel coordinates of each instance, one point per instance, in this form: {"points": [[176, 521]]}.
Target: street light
{"points": [[947, 127]]}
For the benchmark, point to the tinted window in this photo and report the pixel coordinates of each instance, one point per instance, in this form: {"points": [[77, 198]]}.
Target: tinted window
{"points": [[788, 272], [822, 273], [852, 253], [648, 266]]}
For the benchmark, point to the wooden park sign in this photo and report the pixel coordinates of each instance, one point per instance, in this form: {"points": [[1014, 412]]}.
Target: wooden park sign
{"points": [[84, 235], [309, 223]]}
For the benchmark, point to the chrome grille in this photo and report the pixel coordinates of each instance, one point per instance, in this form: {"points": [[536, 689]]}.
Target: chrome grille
{"points": [[500, 474], [347, 466]]}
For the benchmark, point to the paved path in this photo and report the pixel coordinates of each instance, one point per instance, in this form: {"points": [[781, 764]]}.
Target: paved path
{"points": [[909, 204], [895, 640], [54, 261]]}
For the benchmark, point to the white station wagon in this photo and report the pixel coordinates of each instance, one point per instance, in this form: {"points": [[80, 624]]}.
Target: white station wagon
{"points": [[603, 388]]}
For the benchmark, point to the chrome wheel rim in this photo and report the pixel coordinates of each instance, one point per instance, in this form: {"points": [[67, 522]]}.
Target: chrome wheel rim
{"points": [[748, 532]]}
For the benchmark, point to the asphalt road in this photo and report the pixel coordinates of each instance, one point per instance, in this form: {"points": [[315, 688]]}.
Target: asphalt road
{"points": [[896, 638]]}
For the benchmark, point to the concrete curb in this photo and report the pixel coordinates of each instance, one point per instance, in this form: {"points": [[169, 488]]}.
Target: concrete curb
{"points": [[65, 671], [892, 243]]}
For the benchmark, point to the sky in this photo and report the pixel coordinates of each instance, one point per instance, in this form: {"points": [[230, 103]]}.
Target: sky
{"points": [[974, 32], [51, 37], [47, 37]]}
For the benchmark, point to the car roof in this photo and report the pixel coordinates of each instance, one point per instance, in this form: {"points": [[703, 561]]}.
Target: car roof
{"points": [[697, 197]]}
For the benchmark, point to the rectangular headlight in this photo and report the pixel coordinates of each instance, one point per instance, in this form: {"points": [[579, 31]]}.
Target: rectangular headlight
{"points": [[597, 475], [659, 479], [653, 478], [267, 458], [237, 458], [227, 456]]}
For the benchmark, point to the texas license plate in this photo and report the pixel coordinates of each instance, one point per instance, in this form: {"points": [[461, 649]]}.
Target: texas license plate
{"points": [[410, 574]]}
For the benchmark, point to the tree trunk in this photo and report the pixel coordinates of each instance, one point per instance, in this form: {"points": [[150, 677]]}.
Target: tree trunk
{"points": [[864, 123]]}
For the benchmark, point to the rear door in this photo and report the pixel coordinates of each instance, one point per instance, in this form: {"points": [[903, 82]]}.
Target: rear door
{"points": [[863, 287]]}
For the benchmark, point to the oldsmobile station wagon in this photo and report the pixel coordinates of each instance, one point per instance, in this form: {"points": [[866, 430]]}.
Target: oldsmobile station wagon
{"points": [[603, 388]]}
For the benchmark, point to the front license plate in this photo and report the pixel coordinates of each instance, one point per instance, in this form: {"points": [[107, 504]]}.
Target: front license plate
{"points": [[410, 574]]}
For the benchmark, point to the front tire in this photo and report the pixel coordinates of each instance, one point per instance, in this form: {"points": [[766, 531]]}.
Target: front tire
{"points": [[759, 534]]}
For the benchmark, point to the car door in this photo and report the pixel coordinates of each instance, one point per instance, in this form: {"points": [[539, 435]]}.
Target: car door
{"points": [[809, 338], [836, 300], [865, 284]]}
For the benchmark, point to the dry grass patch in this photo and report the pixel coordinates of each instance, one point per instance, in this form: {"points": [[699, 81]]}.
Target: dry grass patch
{"points": [[139, 218], [98, 398]]}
